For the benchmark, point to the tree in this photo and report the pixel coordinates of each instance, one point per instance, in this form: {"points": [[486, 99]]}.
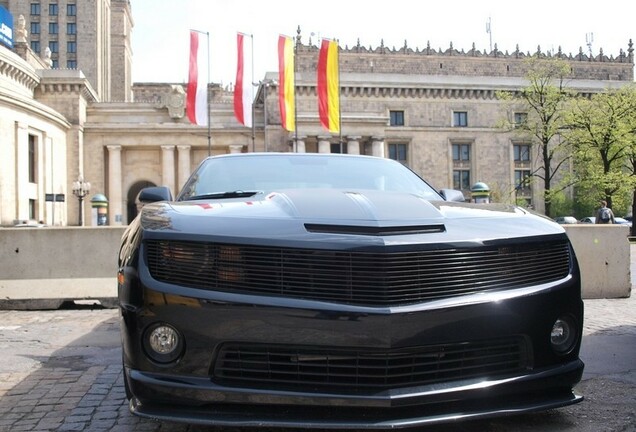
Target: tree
{"points": [[602, 133], [544, 99]]}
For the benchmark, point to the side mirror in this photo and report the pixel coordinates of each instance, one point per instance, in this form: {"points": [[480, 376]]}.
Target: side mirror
{"points": [[452, 195], [154, 194]]}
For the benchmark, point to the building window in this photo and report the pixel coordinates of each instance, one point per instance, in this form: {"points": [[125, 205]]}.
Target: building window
{"points": [[521, 152], [35, 28], [461, 180], [52, 8], [71, 28], [55, 63], [71, 64], [461, 153], [53, 28], [71, 47], [397, 118], [35, 47], [32, 208], [54, 46], [460, 118], [399, 152], [32, 158], [461, 167], [35, 8], [522, 181], [71, 9], [520, 118]]}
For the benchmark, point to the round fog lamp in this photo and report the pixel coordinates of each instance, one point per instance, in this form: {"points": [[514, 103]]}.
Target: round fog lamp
{"points": [[163, 343], [562, 336], [163, 339]]}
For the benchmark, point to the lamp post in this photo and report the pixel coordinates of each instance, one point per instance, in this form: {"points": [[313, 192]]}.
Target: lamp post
{"points": [[266, 83], [80, 190]]}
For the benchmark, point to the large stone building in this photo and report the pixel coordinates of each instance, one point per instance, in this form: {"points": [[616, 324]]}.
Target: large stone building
{"points": [[434, 110], [91, 35]]}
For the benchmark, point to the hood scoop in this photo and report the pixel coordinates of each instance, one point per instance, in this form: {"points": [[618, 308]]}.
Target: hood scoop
{"points": [[374, 230]]}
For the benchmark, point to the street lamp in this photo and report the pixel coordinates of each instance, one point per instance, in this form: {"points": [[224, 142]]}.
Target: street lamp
{"points": [[80, 190], [266, 83]]}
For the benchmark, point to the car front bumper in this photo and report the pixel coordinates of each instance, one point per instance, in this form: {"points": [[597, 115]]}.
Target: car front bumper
{"points": [[187, 390]]}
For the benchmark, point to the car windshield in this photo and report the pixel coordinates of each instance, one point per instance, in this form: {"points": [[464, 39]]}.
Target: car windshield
{"points": [[245, 175]]}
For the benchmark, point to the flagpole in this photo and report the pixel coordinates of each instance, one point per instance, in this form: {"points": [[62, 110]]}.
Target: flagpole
{"points": [[208, 100], [295, 105], [339, 96], [252, 96]]}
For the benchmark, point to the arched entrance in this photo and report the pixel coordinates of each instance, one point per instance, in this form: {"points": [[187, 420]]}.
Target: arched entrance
{"points": [[132, 197]]}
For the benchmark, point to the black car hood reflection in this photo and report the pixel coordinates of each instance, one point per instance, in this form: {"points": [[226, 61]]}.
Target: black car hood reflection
{"points": [[288, 213]]}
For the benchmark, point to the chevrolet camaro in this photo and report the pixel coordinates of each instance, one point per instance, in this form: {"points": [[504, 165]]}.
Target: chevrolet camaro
{"points": [[341, 291]]}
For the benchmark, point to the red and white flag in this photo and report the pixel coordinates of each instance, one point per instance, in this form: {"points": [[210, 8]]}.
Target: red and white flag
{"points": [[243, 88], [197, 91]]}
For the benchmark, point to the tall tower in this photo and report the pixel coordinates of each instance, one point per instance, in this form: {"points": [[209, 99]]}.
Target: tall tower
{"points": [[90, 35]]}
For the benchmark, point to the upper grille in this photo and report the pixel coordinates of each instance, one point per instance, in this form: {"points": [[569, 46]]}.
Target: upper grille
{"points": [[282, 367], [359, 278]]}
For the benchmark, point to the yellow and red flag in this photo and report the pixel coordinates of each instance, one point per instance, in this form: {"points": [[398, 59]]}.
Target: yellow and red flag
{"points": [[329, 86], [286, 94]]}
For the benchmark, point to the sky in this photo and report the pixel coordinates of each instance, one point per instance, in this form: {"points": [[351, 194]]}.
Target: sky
{"points": [[160, 36]]}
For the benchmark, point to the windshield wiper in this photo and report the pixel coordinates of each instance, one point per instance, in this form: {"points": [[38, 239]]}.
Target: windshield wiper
{"points": [[228, 194]]}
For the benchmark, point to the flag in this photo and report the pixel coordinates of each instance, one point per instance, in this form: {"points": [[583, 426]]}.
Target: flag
{"points": [[242, 88], [286, 96], [197, 90], [329, 86]]}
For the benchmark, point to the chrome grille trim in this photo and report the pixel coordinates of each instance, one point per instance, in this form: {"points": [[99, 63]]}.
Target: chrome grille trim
{"points": [[357, 278]]}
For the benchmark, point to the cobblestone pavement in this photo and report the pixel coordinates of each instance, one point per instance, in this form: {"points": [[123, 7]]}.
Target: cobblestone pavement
{"points": [[61, 371]]}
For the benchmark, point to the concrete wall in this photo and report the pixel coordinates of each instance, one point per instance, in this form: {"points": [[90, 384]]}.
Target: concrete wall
{"points": [[45, 267], [603, 252]]}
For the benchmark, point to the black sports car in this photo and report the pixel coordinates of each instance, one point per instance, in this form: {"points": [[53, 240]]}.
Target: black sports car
{"points": [[337, 291]]}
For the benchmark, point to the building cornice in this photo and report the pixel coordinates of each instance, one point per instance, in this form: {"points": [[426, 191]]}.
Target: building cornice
{"points": [[66, 81], [18, 72]]}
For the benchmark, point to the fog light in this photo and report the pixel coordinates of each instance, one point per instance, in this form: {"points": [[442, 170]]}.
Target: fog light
{"points": [[563, 335], [163, 343]]}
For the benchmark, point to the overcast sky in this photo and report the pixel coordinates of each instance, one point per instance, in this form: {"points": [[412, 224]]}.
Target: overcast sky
{"points": [[160, 36]]}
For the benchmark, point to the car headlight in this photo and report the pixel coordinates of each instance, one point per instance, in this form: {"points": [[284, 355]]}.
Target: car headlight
{"points": [[163, 343], [563, 335]]}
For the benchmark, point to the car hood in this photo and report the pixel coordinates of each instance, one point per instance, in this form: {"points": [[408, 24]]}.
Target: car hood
{"points": [[296, 214]]}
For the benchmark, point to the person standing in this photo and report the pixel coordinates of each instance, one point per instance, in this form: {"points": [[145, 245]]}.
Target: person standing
{"points": [[604, 214]]}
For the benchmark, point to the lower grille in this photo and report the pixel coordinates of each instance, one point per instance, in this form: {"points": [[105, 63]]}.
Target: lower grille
{"points": [[355, 371]]}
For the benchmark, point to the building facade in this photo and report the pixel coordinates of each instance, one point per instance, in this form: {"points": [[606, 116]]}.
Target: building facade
{"points": [[89, 35], [436, 111]]}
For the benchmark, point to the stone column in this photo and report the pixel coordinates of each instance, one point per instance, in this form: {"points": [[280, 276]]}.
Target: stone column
{"points": [[377, 146], [22, 173], [115, 203], [167, 167], [183, 166], [299, 144], [324, 144], [353, 145]]}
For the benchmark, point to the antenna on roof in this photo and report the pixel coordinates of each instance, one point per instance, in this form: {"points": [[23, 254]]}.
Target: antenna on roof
{"points": [[489, 31], [589, 39]]}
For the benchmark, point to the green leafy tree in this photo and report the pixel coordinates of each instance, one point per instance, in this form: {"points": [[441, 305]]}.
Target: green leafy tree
{"points": [[544, 99], [602, 133]]}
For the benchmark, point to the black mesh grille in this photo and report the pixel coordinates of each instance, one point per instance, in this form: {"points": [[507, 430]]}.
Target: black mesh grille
{"points": [[360, 278], [280, 367]]}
